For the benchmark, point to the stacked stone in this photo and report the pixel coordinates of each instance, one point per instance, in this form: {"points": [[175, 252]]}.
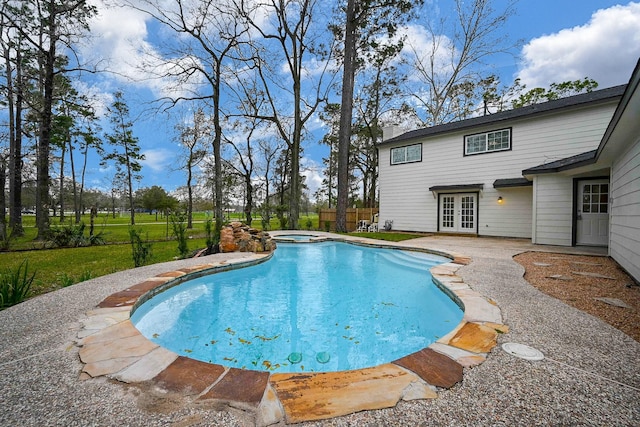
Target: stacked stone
{"points": [[240, 237]]}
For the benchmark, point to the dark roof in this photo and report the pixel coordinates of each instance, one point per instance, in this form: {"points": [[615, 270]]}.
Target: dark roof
{"points": [[571, 101], [456, 187], [563, 164], [512, 182]]}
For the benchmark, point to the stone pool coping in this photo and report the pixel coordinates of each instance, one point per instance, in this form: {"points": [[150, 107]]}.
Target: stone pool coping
{"points": [[112, 347]]}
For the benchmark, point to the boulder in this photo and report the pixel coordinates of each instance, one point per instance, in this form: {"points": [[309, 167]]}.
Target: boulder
{"points": [[239, 237]]}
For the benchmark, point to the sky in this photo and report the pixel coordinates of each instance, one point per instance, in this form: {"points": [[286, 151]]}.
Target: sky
{"points": [[561, 40]]}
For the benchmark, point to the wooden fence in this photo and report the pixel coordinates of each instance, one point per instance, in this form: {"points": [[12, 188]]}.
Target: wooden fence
{"points": [[353, 216]]}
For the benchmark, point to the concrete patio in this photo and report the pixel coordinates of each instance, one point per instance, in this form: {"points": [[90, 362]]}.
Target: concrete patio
{"points": [[590, 376]]}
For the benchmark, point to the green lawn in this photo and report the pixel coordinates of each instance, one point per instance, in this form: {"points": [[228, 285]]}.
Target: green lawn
{"points": [[116, 230], [57, 268]]}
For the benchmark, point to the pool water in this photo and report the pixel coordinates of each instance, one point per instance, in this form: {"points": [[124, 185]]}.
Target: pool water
{"points": [[327, 306], [295, 237]]}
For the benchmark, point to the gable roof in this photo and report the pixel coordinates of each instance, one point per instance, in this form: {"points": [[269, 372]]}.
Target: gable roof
{"points": [[594, 97]]}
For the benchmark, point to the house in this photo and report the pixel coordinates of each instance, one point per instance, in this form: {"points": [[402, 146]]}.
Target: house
{"points": [[564, 172]]}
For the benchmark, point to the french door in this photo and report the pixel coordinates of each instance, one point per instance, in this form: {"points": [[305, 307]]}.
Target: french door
{"points": [[459, 212]]}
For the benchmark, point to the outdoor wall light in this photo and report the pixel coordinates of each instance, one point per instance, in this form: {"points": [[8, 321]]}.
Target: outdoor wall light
{"points": [[500, 200]]}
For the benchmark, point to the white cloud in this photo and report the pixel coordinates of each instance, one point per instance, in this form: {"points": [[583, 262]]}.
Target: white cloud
{"points": [[605, 49], [312, 173], [121, 43], [117, 37], [421, 47], [159, 159]]}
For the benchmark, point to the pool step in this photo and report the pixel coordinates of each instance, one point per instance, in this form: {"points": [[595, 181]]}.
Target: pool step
{"points": [[409, 261]]}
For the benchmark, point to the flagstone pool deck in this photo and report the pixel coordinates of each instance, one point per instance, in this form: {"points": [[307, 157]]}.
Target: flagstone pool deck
{"points": [[72, 357]]}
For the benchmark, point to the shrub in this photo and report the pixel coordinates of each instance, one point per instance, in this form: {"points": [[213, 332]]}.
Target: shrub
{"points": [[65, 280], [309, 223], [86, 275], [15, 285], [179, 224], [72, 236], [327, 226], [212, 238], [141, 248]]}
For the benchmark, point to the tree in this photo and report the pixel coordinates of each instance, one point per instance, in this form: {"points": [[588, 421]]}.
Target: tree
{"points": [[289, 36], [376, 100], [331, 116], [445, 71], [46, 26], [126, 151], [555, 91], [153, 199], [12, 44], [269, 148], [364, 22], [192, 137], [243, 166], [86, 139], [61, 138], [208, 32]]}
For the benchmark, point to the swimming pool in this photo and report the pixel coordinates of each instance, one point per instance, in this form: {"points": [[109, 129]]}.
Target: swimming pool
{"points": [[319, 307]]}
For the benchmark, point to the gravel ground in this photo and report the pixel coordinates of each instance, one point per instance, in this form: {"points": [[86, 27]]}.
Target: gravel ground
{"points": [[590, 376], [581, 291]]}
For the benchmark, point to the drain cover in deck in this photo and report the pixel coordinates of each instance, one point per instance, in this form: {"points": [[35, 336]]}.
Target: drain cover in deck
{"points": [[522, 351]]}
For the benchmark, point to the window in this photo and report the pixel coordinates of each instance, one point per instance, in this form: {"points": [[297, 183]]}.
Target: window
{"points": [[499, 140], [595, 198], [406, 154]]}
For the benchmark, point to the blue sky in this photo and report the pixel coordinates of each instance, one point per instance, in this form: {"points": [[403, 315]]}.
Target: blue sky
{"points": [[562, 40]]}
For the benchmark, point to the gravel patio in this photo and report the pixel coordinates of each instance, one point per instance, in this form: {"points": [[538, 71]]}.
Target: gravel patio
{"points": [[590, 374]]}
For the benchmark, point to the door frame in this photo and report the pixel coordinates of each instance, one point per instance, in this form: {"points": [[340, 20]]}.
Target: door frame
{"points": [[476, 194], [574, 214]]}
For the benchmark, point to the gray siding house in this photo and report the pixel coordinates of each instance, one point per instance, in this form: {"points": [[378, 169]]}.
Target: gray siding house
{"points": [[565, 172]]}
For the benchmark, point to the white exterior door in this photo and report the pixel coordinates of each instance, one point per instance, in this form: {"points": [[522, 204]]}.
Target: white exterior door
{"points": [[458, 212], [593, 213]]}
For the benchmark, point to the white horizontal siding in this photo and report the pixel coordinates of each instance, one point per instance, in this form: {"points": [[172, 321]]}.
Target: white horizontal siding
{"points": [[405, 197], [404, 189], [511, 218], [554, 204], [624, 245]]}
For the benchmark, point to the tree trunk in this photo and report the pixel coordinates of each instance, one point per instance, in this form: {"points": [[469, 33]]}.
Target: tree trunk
{"points": [[15, 146], [249, 201], [44, 140], [189, 194], [344, 133], [84, 169], [3, 207], [76, 203], [129, 179], [62, 182], [294, 181], [217, 156]]}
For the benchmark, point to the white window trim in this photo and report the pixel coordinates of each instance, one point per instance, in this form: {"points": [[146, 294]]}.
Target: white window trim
{"points": [[486, 138], [406, 150]]}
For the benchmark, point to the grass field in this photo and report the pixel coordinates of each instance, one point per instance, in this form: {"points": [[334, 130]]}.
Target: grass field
{"points": [[60, 267], [57, 268]]}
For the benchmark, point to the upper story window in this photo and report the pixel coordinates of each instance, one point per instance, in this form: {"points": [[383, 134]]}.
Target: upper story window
{"points": [[406, 154], [498, 140]]}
